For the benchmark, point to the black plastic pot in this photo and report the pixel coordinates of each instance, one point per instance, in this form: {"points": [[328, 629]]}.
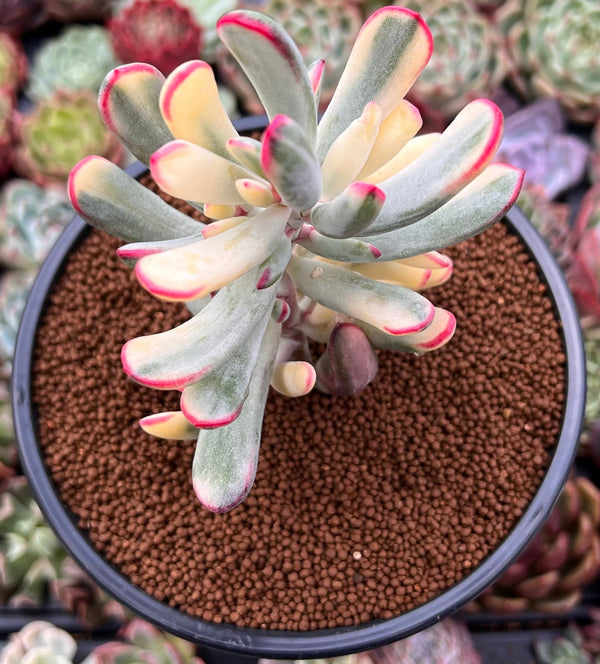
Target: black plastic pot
{"points": [[315, 643]]}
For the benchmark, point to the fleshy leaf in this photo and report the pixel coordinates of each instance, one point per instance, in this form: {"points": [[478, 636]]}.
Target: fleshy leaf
{"points": [[481, 203], [216, 399], [351, 213], [316, 74], [409, 276], [128, 103], [435, 335], [284, 87], [392, 309], [431, 260], [350, 151], [390, 51], [255, 193], [349, 362], [226, 458], [293, 379], [395, 131], [171, 425], [181, 356], [222, 225], [413, 149], [348, 250], [109, 199], [246, 151], [463, 151], [176, 166], [130, 254], [192, 109], [197, 269], [216, 211], [289, 162], [271, 269]]}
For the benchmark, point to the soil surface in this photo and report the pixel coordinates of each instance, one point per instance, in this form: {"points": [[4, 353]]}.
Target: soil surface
{"points": [[363, 507]]}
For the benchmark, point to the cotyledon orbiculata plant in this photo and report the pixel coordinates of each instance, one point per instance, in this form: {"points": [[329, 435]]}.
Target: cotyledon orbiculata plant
{"points": [[323, 230]]}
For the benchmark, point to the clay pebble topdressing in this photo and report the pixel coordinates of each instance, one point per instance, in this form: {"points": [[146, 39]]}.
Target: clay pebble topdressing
{"points": [[363, 507]]}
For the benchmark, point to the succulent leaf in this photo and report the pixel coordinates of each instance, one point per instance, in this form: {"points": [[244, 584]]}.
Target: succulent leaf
{"points": [[349, 152], [192, 109], [459, 156], [197, 269], [395, 131], [175, 168], [288, 160], [349, 214], [130, 254], [109, 199], [216, 400], [391, 49], [226, 458], [254, 39], [339, 249], [435, 335], [129, 105], [246, 151], [255, 193], [403, 158], [469, 212], [409, 276], [392, 309], [294, 378], [172, 425], [181, 356], [349, 362]]}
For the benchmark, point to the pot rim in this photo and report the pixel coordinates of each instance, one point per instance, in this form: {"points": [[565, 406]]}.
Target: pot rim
{"points": [[324, 642]]}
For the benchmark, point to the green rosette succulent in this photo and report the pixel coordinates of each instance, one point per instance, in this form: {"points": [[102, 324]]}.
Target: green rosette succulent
{"points": [[30, 554], [58, 133], [39, 642], [31, 219], [77, 59], [468, 60], [323, 230], [553, 49]]}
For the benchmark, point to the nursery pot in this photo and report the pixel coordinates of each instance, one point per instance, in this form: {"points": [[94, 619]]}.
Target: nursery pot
{"points": [[313, 642]]}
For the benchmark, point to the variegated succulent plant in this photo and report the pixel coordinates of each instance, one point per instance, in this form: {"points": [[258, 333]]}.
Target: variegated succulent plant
{"points": [[322, 231]]}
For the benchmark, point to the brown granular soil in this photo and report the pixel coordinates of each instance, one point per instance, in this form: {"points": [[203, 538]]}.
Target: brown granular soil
{"points": [[363, 507]]}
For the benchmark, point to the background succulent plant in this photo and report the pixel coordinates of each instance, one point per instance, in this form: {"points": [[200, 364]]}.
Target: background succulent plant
{"points": [[7, 134], [160, 32], [39, 642], [567, 649], [18, 16], [77, 59], [553, 51], [13, 64], [467, 61], [68, 11], [594, 166], [31, 219], [320, 231], [564, 556], [58, 133]]}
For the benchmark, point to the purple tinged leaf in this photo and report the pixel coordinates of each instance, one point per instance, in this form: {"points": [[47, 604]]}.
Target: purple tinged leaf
{"points": [[348, 364], [535, 140]]}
